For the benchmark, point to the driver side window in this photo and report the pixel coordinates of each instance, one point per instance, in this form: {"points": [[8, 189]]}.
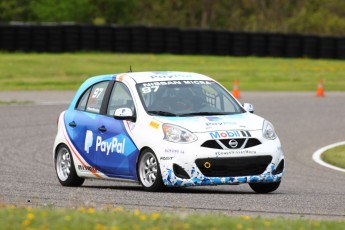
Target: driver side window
{"points": [[120, 98]]}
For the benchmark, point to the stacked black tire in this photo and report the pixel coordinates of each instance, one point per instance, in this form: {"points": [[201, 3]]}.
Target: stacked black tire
{"points": [[141, 39]]}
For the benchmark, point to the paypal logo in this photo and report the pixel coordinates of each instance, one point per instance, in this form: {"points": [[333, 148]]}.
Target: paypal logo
{"points": [[106, 146], [88, 140]]}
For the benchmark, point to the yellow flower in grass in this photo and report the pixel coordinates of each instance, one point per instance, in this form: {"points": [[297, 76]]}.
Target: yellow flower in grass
{"points": [[136, 212], [246, 218], [100, 227], [91, 210], [239, 226], [155, 216], [118, 209], [30, 216], [26, 223], [143, 217], [82, 209]]}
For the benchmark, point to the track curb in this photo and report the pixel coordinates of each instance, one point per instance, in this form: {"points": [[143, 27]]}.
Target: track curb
{"points": [[319, 152]]}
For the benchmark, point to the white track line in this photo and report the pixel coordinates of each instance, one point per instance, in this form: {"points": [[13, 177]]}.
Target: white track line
{"points": [[318, 153]]}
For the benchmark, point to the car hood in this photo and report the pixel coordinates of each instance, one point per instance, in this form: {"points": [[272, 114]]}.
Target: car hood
{"points": [[244, 121]]}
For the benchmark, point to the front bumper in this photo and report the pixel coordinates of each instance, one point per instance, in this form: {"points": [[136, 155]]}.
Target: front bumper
{"points": [[197, 178], [185, 165]]}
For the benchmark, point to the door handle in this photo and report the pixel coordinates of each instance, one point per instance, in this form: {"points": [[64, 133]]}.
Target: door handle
{"points": [[102, 128], [72, 124]]}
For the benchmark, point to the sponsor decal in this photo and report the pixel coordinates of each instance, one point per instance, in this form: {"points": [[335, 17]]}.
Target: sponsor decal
{"points": [[229, 134], [166, 158], [234, 152], [111, 145], [87, 168], [88, 141], [220, 123], [154, 124], [174, 151], [224, 134], [150, 87], [162, 75], [159, 83], [197, 82]]}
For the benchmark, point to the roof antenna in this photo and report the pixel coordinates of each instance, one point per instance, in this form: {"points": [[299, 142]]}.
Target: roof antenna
{"points": [[130, 69]]}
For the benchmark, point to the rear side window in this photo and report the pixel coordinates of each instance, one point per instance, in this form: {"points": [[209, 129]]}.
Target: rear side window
{"points": [[83, 100], [91, 100]]}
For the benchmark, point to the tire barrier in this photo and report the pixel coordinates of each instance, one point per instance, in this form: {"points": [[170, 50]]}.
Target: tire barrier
{"points": [[58, 38]]}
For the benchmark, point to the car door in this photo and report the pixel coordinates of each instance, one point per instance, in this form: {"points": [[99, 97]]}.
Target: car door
{"points": [[82, 123], [116, 152]]}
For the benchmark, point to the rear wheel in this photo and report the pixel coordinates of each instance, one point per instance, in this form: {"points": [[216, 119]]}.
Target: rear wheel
{"points": [[149, 172], [264, 187], [65, 169]]}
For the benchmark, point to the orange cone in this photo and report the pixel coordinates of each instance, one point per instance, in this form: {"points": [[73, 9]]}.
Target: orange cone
{"points": [[320, 91], [236, 91]]}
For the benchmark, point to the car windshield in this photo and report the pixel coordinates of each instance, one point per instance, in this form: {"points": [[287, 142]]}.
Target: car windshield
{"points": [[187, 98]]}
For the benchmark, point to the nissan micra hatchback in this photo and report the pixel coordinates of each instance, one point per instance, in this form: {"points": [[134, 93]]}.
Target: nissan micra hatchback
{"points": [[165, 129]]}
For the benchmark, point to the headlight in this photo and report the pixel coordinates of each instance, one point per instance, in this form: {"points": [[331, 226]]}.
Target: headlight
{"points": [[268, 131], [177, 134]]}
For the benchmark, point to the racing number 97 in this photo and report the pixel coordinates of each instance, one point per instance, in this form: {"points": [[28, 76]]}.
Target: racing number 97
{"points": [[97, 92], [149, 89]]}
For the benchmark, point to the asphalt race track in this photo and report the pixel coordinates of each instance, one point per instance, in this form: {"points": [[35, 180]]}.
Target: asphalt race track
{"points": [[303, 122]]}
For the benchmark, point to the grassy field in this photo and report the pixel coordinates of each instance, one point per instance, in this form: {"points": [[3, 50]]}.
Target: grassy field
{"points": [[20, 71], [118, 218], [335, 156]]}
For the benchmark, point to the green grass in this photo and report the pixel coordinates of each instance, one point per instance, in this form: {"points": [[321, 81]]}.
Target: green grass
{"points": [[12, 217], [20, 71], [335, 156]]}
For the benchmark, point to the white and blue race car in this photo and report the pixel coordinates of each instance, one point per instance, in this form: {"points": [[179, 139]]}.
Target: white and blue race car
{"points": [[165, 129]]}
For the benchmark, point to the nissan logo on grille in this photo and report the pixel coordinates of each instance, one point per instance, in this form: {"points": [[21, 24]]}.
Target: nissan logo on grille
{"points": [[233, 143]]}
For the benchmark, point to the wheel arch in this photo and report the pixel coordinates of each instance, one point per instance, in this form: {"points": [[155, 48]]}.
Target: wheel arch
{"points": [[57, 147], [138, 157]]}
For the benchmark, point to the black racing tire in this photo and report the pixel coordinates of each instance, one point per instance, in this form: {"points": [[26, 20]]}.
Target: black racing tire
{"points": [[64, 167], [149, 173], [264, 187]]}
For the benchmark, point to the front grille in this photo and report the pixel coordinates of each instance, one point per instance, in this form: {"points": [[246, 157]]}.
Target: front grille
{"points": [[242, 143], [233, 166]]}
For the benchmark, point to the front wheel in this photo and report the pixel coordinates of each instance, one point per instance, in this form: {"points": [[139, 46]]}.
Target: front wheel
{"points": [[264, 187], [149, 172], [65, 169]]}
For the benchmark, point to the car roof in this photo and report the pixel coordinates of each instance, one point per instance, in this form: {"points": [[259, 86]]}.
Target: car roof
{"points": [[141, 77]]}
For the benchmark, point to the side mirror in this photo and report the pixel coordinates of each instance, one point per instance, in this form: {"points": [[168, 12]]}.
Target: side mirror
{"points": [[248, 107], [124, 114]]}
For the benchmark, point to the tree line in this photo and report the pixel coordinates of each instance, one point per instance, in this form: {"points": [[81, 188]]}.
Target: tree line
{"points": [[320, 17]]}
